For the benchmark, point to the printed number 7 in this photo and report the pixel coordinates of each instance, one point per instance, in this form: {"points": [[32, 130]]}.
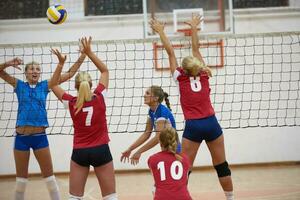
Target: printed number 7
{"points": [[88, 120]]}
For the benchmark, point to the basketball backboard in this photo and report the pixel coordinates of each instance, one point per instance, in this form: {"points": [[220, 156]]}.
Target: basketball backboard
{"points": [[217, 15]]}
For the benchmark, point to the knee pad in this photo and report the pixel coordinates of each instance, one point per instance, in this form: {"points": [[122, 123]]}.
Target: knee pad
{"points": [[73, 197], [223, 169], [112, 196], [21, 184], [51, 183]]}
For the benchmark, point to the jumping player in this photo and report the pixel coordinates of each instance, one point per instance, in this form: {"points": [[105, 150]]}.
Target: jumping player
{"points": [[201, 123]]}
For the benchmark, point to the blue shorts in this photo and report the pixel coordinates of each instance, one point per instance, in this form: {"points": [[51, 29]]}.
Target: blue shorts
{"points": [[95, 156], [36, 141], [207, 129]]}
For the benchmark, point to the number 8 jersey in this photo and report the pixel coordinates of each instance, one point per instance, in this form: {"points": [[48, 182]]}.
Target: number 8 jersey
{"points": [[194, 95], [90, 126], [170, 176]]}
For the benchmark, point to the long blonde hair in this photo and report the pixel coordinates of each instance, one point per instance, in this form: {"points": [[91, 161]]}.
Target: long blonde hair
{"points": [[83, 84], [169, 141], [193, 66]]}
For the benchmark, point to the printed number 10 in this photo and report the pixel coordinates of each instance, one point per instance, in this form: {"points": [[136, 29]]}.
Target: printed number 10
{"points": [[175, 165]]}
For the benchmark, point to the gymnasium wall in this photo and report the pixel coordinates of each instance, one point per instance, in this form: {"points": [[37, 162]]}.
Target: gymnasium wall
{"points": [[251, 145]]}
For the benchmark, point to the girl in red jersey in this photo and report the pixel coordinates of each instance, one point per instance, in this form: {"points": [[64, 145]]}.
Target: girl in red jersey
{"points": [[201, 124], [169, 169], [90, 144]]}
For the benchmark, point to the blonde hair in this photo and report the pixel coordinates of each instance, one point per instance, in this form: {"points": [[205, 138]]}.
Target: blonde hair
{"points": [[169, 140], [157, 91], [193, 65], [83, 84]]}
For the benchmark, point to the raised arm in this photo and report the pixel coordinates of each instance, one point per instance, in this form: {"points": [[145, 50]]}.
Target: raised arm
{"points": [[5, 76], [71, 72], [193, 23], [57, 90], [86, 44], [158, 27], [73, 69]]}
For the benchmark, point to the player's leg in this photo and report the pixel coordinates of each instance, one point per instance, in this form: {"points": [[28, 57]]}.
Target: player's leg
{"points": [[21, 162], [191, 140], [106, 178], [43, 157], [190, 148], [217, 151], [103, 165], [42, 154], [77, 180], [21, 156]]}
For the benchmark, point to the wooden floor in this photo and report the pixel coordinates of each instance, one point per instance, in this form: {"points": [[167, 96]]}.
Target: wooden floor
{"points": [[268, 182]]}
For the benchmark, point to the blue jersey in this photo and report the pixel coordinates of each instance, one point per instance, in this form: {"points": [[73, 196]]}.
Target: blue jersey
{"points": [[32, 103], [161, 113]]}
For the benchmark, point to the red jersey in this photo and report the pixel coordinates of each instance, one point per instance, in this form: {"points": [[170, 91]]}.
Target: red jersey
{"points": [[194, 94], [90, 127], [170, 176]]}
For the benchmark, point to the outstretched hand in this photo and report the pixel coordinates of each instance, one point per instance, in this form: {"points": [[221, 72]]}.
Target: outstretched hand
{"points": [[125, 156], [195, 21], [14, 63], [157, 26], [135, 158], [61, 57], [86, 45]]}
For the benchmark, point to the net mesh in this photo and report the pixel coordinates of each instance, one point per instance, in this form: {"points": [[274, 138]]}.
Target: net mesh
{"points": [[257, 87]]}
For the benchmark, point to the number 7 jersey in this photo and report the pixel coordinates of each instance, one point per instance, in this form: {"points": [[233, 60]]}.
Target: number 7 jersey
{"points": [[90, 126], [194, 94]]}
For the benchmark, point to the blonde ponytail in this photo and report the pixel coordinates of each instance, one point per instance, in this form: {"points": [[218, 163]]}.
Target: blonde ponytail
{"points": [[83, 85], [169, 141]]}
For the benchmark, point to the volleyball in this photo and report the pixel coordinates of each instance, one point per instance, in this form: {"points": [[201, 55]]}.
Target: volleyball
{"points": [[56, 14]]}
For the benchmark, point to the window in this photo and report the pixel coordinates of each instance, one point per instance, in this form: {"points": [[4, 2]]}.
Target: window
{"points": [[259, 3], [18, 9], [113, 7]]}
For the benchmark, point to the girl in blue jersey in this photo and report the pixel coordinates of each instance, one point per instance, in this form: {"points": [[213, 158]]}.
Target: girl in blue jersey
{"points": [[32, 121], [159, 117]]}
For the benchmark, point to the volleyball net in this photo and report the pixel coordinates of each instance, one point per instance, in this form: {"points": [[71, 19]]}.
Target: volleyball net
{"points": [[255, 83]]}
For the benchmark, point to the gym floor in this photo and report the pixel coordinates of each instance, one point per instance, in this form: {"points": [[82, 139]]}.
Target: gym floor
{"points": [[258, 182]]}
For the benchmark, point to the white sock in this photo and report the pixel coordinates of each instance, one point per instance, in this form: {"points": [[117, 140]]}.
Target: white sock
{"points": [[73, 197], [20, 188], [52, 187], [112, 196], [229, 195]]}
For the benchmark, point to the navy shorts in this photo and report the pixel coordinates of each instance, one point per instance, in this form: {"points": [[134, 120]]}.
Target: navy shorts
{"points": [[95, 156], [35, 141], [207, 129]]}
